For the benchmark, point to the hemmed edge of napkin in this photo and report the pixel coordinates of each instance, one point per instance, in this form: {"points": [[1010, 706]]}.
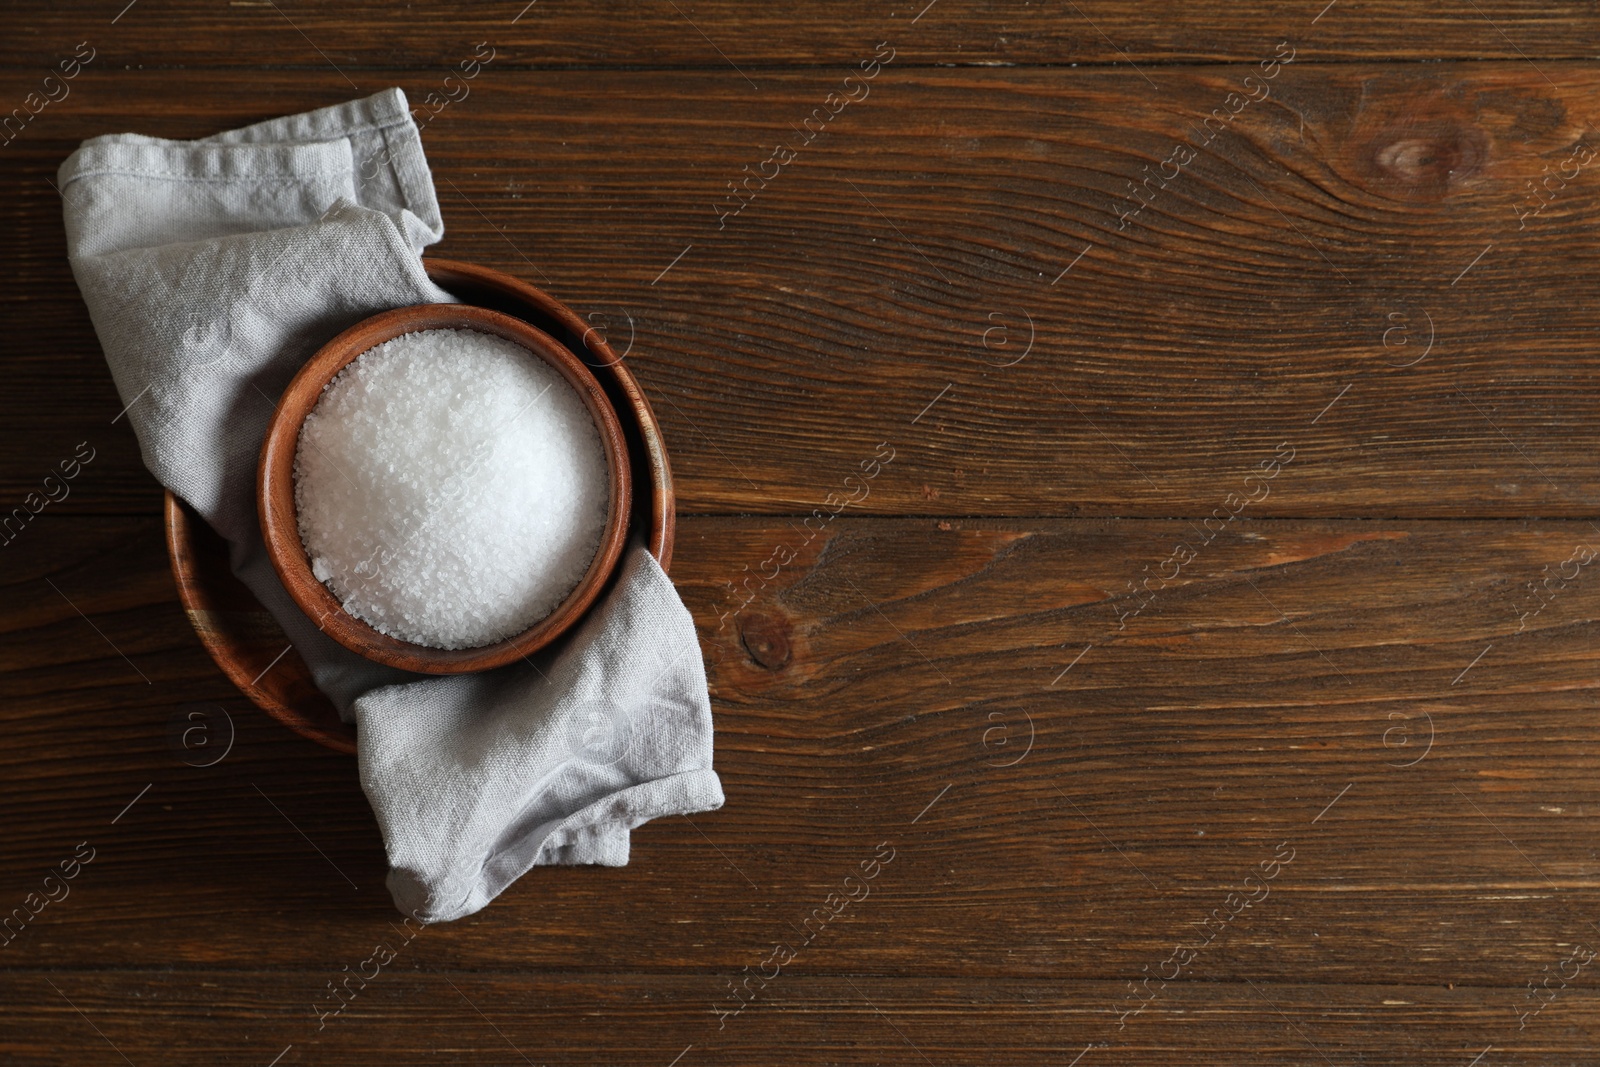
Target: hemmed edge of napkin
{"points": [[291, 149], [387, 107], [597, 834], [385, 114]]}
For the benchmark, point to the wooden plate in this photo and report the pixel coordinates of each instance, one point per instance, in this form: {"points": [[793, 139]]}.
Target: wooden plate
{"points": [[247, 643]]}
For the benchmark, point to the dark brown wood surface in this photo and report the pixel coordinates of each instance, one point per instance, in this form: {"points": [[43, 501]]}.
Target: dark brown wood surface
{"points": [[729, 34], [1078, 739], [918, 247]]}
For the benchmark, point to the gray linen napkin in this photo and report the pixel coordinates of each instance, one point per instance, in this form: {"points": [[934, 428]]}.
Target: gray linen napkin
{"points": [[212, 270]]}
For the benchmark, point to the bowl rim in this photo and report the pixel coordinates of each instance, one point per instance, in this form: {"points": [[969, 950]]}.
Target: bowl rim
{"points": [[473, 283], [279, 519]]}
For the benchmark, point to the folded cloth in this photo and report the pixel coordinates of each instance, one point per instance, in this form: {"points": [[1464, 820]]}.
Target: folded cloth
{"points": [[212, 270]]}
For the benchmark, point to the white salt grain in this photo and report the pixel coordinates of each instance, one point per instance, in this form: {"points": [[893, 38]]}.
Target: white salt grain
{"points": [[452, 488]]}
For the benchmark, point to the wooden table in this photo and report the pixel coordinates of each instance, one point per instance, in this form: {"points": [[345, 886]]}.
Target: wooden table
{"points": [[1214, 658]]}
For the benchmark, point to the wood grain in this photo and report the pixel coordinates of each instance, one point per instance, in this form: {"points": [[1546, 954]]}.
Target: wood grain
{"points": [[1272, 552], [417, 1015], [729, 35], [1274, 695], [1284, 288]]}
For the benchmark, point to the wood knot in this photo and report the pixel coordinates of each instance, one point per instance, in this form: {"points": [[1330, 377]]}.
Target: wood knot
{"points": [[1423, 162], [766, 638]]}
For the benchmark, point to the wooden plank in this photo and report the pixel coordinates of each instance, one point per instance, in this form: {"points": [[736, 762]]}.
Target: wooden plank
{"points": [[1331, 747], [1357, 693], [728, 35], [410, 1013], [1281, 289]]}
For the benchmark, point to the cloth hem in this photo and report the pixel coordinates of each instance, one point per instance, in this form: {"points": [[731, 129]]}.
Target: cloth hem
{"points": [[621, 812]]}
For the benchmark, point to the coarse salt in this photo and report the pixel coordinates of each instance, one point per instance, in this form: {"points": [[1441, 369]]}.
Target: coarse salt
{"points": [[451, 488]]}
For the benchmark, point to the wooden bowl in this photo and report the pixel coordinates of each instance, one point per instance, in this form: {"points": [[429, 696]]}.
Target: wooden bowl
{"points": [[655, 503], [243, 638], [280, 528]]}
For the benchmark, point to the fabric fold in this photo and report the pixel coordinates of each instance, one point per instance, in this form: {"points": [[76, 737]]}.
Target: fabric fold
{"points": [[212, 270]]}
